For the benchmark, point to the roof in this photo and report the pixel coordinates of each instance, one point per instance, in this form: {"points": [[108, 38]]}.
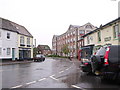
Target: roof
{"points": [[21, 29], [43, 47], [6, 24], [108, 24], [11, 26]]}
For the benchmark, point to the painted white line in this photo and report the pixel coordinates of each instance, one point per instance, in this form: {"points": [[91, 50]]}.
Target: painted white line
{"points": [[42, 79], [51, 75], [61, 71], [75, 86], [67, 69], [31, 82], [17, 86], [53, 78], [78, 87]]}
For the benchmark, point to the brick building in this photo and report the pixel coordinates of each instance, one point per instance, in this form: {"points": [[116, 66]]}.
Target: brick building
{"points": [[44, 49], [71, 38]]}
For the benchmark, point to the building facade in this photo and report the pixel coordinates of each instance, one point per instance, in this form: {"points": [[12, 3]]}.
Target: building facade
{"points": [[8, 40], [70, 38], [44, 49], [16, 41], [54, 45], [25, 42], [108, 34]]}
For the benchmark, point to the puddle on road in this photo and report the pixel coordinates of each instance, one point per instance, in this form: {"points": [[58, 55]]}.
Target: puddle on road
{"points": [[84, 80]]}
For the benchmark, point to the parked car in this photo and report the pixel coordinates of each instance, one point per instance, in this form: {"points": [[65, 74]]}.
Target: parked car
{"points": [[85, 54], [106, 62], [39, 57]]}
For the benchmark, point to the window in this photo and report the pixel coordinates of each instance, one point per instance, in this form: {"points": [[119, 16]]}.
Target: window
{"points": [[0, 34], [22, 40], [99, 36], [88, 40], [81, 31], [8, 35], [8, 51], [115, 31], [0, 51], [28, 41], [89, 26]]}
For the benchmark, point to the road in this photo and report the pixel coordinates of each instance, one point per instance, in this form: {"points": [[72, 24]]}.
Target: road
{"points": [[52, 73]]}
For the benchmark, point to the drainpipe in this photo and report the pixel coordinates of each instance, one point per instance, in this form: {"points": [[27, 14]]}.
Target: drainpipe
{"points": [[76, 30]]}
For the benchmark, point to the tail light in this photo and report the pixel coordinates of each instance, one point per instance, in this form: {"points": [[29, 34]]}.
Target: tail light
{"points": [[94, 53], [86, 63], [106, 56]]}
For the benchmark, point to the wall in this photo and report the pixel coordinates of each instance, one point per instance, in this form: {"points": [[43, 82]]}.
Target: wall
{"points": [[25, 40], [8, 43], [105, 33]]}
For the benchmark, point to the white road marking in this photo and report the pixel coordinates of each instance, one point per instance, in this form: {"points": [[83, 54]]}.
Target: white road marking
{"points": [[42, 79], [51, 75], [75, 86], [31, 82], [78, 87], [61, 71], [53, 78], [67, 69], [17, 86]]}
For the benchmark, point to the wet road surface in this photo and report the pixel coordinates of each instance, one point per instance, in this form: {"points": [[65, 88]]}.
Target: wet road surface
{"points": [[52, 73]]}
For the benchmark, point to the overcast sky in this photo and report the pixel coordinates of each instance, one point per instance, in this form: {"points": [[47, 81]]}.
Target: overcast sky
{"points": [[44, 18]]}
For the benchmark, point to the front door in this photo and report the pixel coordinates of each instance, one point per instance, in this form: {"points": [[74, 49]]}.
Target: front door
{"points": [[13, 53]]}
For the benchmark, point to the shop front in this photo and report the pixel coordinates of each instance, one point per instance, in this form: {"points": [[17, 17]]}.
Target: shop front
{"points": [[24, 53]]}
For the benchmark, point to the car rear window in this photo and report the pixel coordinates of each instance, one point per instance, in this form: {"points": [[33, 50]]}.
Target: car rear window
{"points": [[101, 51], [38, 55]]}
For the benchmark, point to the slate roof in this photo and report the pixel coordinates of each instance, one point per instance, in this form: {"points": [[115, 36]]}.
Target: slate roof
{"points": [[21, 29], [11, 26], [6, 24]]}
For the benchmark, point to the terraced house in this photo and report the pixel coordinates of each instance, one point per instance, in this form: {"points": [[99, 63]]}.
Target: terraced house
{"points": [[15, 41], [70, 38], [108, 34]]}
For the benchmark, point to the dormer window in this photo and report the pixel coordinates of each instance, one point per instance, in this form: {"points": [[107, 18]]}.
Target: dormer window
{"points": [[89, 26]]}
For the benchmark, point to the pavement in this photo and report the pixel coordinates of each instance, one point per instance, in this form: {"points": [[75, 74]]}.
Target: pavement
{"points": [[14, 62], [28, 61]]}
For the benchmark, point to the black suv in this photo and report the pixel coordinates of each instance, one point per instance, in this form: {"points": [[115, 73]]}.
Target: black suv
{"points": [[106, 61]]}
